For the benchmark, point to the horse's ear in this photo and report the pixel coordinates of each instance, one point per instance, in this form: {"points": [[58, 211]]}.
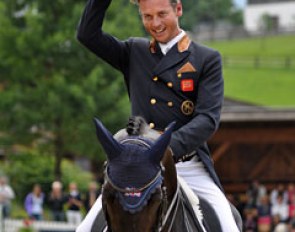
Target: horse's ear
{"points": [[109, 144], [159, 147]]}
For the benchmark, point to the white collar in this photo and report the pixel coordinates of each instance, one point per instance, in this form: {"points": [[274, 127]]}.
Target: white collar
{"points": [[167, 46]]}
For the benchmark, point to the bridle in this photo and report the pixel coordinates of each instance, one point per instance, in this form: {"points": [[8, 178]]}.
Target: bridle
{"points": [[164, 211]]}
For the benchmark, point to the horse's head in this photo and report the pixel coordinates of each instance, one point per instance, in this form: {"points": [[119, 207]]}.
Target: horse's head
{"points": [[137, 189]]}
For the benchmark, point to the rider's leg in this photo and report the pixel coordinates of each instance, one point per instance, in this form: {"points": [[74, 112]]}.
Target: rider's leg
{"points": [[198, 179], [87, 223]]}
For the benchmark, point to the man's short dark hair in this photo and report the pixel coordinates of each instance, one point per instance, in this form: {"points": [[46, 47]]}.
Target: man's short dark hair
{"points": [[137, 1]]}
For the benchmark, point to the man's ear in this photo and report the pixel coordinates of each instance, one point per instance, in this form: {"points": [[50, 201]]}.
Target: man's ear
{"points": [[178, 9]]}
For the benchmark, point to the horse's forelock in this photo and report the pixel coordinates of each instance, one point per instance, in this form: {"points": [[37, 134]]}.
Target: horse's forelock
{"points": [[148, 134], [136, 125]]}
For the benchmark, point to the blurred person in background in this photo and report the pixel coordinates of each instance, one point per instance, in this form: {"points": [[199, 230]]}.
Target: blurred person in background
{"points": [[280, 209], [74, 204], [255, 192], [278, 225], [91, 195], [291, 193], [56, 201], [279, 190], [250, 222], [264, 214], [34, 203], [6, 195], [291, 226]]}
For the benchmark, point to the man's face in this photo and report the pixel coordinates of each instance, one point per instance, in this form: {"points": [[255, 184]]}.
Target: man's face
{"points": [[160, 18]]}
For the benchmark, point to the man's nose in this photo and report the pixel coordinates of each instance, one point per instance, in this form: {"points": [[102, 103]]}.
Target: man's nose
{"points": [[156, 22]]}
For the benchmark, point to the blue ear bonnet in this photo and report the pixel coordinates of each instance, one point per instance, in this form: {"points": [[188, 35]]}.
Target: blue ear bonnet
{"points": [[140, 171], [133, 163], [134, 166]]}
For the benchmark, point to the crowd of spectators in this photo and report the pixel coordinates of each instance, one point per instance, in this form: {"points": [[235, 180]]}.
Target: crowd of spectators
{"points": [[262, 209], [267, 210], [64, 204]]}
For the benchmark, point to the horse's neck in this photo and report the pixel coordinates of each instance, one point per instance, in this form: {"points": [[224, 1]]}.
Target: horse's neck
{"points": [[170, 175]]}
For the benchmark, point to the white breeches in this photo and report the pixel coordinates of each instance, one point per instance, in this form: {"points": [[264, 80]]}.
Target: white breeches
{"points": [[200, 182], [86, 224]]}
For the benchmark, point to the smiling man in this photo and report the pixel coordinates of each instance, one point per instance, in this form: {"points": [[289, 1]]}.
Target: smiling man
{"points": [[161, 22], [169, 78]]}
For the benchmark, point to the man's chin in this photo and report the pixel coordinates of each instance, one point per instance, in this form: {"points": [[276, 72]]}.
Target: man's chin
{"points": [[160, 39]]}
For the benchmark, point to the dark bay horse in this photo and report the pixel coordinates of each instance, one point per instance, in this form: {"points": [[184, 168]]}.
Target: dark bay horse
{"points": [[141, 192]]}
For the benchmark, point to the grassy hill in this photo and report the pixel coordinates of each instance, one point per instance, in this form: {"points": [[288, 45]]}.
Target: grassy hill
{"points": [[260, 70]]}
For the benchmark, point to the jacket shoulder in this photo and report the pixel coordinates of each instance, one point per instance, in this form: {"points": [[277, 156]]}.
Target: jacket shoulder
{"points": [[204, 50], [139, 42]]}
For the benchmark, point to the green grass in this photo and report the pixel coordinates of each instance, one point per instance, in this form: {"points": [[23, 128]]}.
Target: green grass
{"points": [[272, 46], [272, 83], [266, 87]]}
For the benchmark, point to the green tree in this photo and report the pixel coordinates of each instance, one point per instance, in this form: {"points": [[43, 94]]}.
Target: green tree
{"points": [[32, 168], [51, 87], [197, 11]]}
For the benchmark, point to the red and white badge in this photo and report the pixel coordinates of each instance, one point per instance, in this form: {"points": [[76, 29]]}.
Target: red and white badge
{"points": [[187, 85]]}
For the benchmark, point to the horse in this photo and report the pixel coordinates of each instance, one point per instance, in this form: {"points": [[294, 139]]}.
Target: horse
{"points": [[141, 190]]}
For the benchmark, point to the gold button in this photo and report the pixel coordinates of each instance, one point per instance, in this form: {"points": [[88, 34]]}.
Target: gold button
{"points": [[169, 84], [152, 125], [179, 75], [155, 78], [153, 101], [170, 104]]}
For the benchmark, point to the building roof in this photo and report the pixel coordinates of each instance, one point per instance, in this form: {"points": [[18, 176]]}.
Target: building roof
{"points": [[251, 2], [233, 111]]}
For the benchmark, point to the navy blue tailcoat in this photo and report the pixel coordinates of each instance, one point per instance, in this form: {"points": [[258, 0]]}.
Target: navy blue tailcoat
{"points": [[185, 85]]}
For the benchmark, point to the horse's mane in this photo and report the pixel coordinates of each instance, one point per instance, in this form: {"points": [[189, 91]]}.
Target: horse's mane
{"points": [[137, 126]]}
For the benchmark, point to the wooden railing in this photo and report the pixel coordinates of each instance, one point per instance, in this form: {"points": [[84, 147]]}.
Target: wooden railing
{"points": [[12, 225], [286, 62]]}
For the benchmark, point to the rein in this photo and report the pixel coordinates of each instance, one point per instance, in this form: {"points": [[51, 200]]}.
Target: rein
{"points": [[175, 201]]}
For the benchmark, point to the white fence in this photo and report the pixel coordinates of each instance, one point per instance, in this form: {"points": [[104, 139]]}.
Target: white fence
{"points": [[11, 225]]}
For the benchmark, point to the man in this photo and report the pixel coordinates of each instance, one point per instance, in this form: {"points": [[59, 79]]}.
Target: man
{"points": [[56, 201], [168, 79]]}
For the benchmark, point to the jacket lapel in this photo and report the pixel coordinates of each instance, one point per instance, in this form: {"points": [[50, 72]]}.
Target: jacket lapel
{"points": [[177, 54]]}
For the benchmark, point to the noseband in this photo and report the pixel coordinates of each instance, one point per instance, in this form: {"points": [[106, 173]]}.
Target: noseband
{"points": [[132, 190], [164, 211]]}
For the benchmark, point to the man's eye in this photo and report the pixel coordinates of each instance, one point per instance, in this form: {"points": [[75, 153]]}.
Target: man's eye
{"points": [[162, 14], [147, 17]]}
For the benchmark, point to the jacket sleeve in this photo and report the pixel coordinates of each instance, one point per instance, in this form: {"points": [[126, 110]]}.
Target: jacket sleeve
{"points": [[189, 137], [105, 46]]}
